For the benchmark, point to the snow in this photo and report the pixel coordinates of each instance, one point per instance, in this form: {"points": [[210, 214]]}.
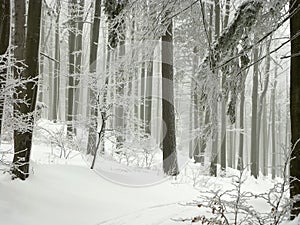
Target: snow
{"points": [[66, 192], [63, 194]]}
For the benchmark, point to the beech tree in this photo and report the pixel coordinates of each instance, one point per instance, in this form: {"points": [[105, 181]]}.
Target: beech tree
{"points": [[295, 104], [23, 139], [92, 135], [170, 165], [4, 43]]}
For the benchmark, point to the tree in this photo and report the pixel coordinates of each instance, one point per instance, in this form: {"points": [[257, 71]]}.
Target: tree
{"points": [[254, 137], [23, 143], [295, 104], [56, 83], [92, 68], [170, 165], [4, 43], [71, 80]]}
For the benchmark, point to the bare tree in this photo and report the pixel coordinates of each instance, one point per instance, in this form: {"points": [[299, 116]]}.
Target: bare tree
{"points": [[23, 144], [4, 43], [295, 103], [170, 165]]}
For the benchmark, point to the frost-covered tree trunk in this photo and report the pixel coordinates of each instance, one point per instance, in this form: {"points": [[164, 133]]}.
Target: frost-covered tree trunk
{"points": [[119, 119], [71, 83], [142, 102], [50, 72], [265, 138], [273, 124], [261, 106], [295, 104], [116, 37], [19, 42], [78, 57], [56, 78], [223, 103], [214, 108], [170, 165], [195, 103], [4, 43], [254, 138], [148, 100], [92, 137], [23, 144], [240, 164]]}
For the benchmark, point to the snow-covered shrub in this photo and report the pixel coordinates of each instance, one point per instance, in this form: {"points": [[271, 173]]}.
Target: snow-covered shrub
{"points": [[235, 204], [62, 144]]}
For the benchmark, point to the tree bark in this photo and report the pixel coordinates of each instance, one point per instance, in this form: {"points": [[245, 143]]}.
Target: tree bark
{"points": [[254, 138], [170, 165], [56, 82], [78, 59], [24, 139], [4, 43], [295, 105], [71, 80], [92, 138], [273, 108]]}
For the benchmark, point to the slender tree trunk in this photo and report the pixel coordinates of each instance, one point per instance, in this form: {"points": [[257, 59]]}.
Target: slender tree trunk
{"points": [[254, 138], [273, 107], [196, 140], [240, 164], [265, 138], [120, 123], [148, 100], [23, 145], [71, 80], [170, 165], [56, 82], [78, 58]]}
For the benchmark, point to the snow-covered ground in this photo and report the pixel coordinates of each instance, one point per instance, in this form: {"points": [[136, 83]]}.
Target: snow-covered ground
{"points": [[67, 192]]}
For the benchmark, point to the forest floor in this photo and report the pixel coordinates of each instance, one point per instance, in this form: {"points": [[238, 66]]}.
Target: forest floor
{"points": [[67, 192]]}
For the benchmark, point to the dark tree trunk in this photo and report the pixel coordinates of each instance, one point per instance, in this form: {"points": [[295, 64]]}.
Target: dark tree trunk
{"points": [[71, 80], [4, 25], [295, 104], [170, 165], [24, 139], [78, 58], [4, 43]]}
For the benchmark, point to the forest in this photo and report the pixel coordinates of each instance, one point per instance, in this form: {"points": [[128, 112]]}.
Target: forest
{"points": [[149, 112]]}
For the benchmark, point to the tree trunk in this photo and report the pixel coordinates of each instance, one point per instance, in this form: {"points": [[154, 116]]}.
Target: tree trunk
{"points": [[78, 58], [273, 107], [56, 82], [240, 164], [223, 103], [4, 43], [24, 139], [261, 101], [170, 165], [254, 138], [92, 138], [196, 140], [295, 105], [148, 100], [71, 80]]}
